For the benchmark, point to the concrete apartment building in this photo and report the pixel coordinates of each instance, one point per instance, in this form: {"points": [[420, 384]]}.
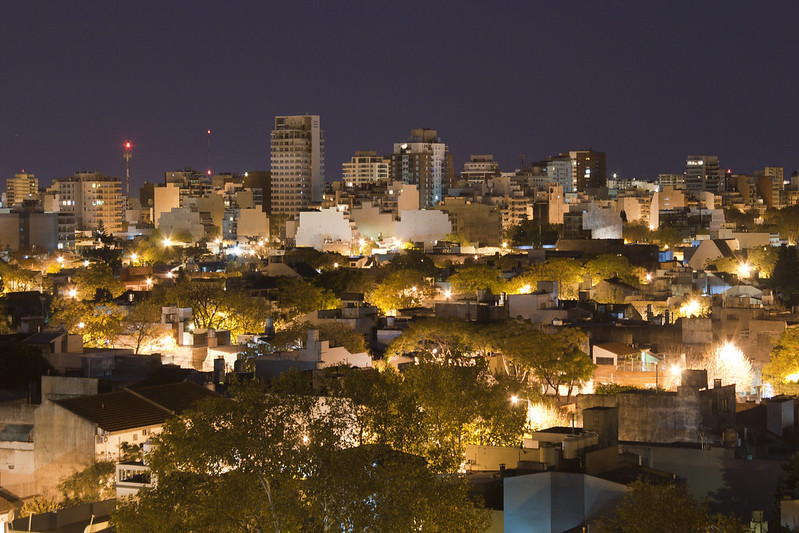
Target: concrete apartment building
{"points": [[297, 158], [95, 200], [20, 188], [426, 162], [589, 169], [480, 168], [365, 167], [702, 173]]}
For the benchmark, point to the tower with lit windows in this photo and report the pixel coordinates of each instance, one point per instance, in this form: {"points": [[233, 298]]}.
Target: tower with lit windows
{"points": [[297, 159]]}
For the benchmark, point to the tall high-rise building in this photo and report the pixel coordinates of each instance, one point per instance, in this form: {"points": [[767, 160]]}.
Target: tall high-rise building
{"points": [[426, 162], [20, 188], [365, 167], [588, 169], [96, 200], [298, 167], [702, 173]]}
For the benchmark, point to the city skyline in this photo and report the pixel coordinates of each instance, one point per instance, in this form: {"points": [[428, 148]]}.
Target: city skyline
{"points": [[648, 85]]}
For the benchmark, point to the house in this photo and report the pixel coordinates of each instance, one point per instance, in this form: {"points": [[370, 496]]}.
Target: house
{"points": [[71, 431]]}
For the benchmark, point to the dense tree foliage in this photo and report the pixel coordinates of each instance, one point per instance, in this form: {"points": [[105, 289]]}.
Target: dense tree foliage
{"points": [[267, 462], [214, 307], [785, 276], [555, 360], [96, 281], [782, 369], [666, 508], [100, 323], [22, 364], [469, 279], [533, 233], [297, 297], [399, 289]]}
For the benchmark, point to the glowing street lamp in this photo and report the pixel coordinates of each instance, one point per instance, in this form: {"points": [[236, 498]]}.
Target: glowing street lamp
{"points": [[149, 282], [86, 263], [167, 241], [72, 293], [744, 270], [60, 260], [81, 325]]}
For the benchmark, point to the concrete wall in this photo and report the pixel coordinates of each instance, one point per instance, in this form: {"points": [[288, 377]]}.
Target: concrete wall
{"points": [[182, 220], [252, 223], [423, 226], [316, 227], [63, 443], [165, 199], [480, 458], [372, 223]]}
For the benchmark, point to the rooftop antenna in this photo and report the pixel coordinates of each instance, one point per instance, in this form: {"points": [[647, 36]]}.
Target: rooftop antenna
{"points": [[127, 155], [209, 152], [522, 156]]}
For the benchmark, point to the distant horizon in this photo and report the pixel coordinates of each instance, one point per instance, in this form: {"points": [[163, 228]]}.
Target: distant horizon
{"points": [[648, 84]]}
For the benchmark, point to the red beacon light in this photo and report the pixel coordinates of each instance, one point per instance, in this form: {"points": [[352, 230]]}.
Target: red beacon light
{"points": [[127, 145]]}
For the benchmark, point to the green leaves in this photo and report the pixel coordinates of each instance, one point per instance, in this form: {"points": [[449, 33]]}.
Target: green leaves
{"points": [[268, 462]]}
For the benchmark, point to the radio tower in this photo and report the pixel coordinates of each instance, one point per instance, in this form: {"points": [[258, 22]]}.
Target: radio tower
{"points": [[127, 155], [209, 152]]}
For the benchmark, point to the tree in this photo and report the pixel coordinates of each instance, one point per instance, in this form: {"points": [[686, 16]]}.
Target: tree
{"points": [[96, 280], [469, 279], [297, 297], [782, 369], [567, 272], [764, 259], [100, 323], [341, 280], [438, 339], [666, 236], [93, 483], [608, 266], [637, 231], [214, 307], [268, 462], [666, 508], [556, 360], [785, 276], [22, 364], [533, 233], [400, 289], [143, 324], [338, 334]]}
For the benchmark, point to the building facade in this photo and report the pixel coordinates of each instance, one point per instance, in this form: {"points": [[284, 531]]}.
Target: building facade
{"points": [[365, 167], [297, 159], [424, 161], [94, 199], [20, 188], [702, 173]]}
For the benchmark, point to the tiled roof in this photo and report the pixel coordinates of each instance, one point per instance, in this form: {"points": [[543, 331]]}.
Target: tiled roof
{"points": [[127, 409], [177, 397], [618, 348]]}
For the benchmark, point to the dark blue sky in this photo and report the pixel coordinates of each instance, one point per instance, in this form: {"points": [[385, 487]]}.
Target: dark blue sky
{"points": [[646, 82]]}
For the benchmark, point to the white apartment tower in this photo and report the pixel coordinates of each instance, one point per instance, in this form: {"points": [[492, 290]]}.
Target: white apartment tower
{"points": [[702, 173], [298, 168]]}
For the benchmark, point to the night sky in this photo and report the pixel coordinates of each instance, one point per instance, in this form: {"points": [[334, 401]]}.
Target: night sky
{"points": [[646, 82]]}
